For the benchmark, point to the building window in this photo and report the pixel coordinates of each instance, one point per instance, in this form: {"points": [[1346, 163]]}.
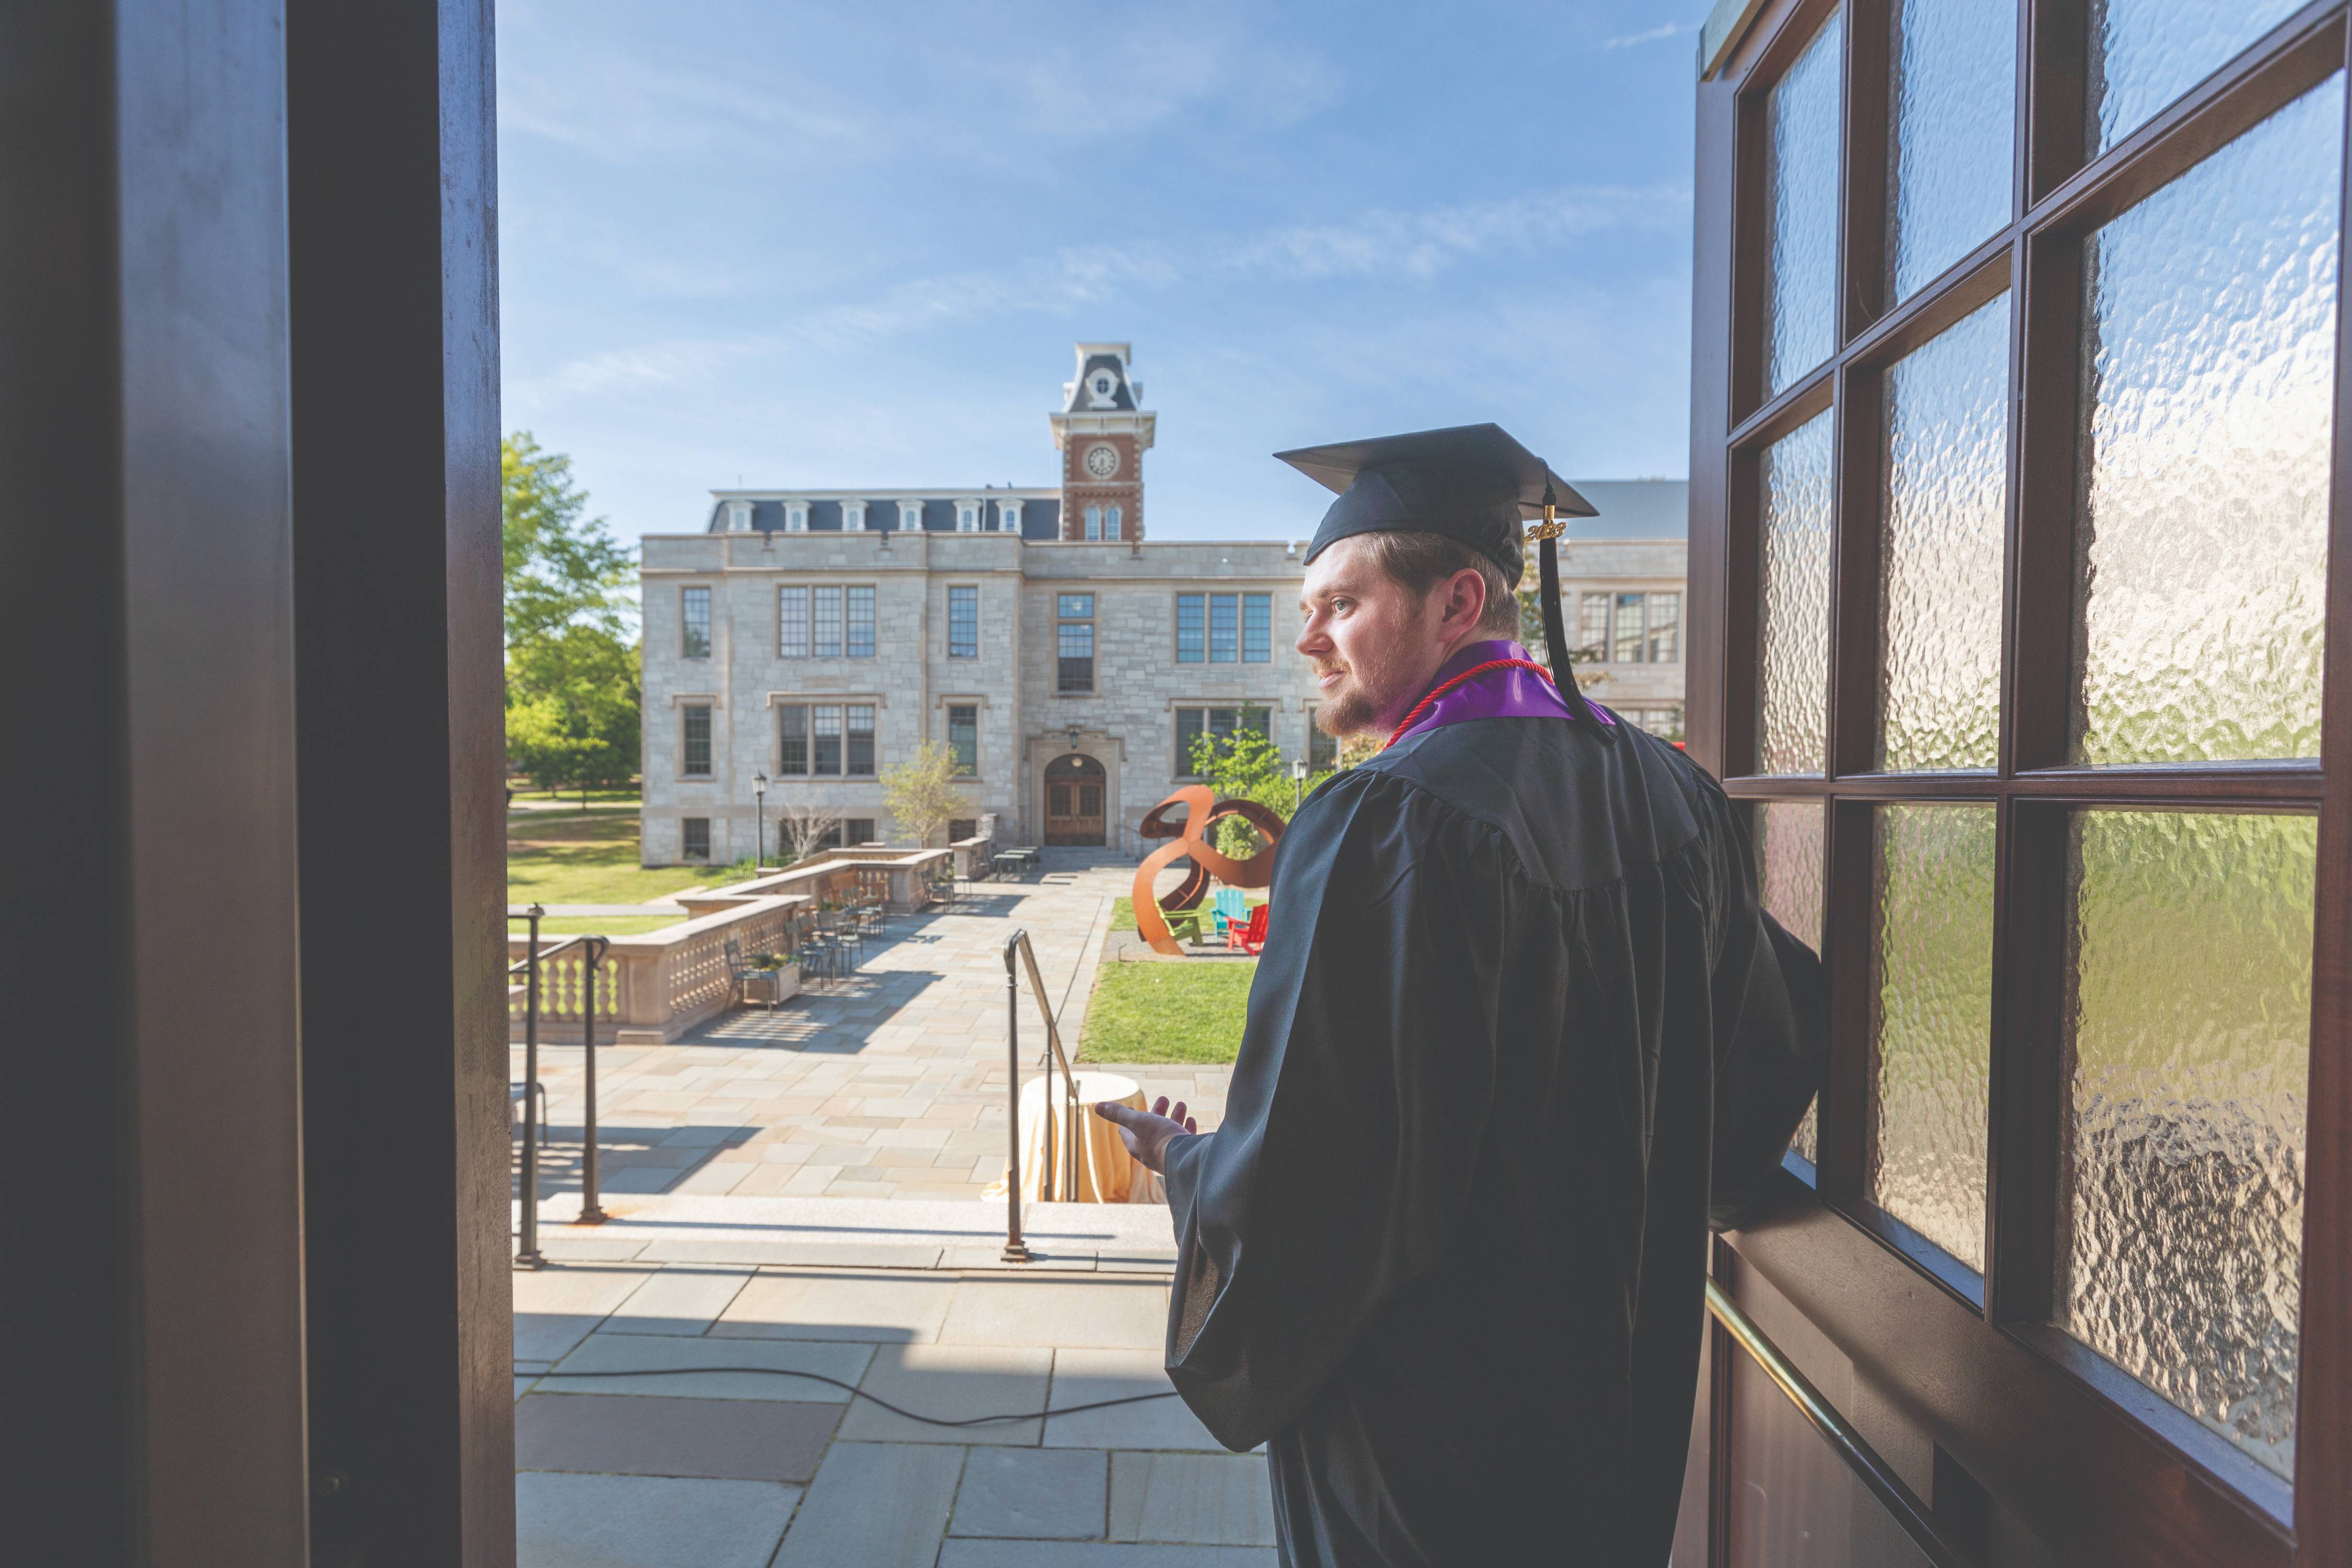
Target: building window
{"points": [[963, 623], [861, 742], [826, 760], [852, 517], [1322, 749], [1592, 629], [861, 830], [696, 753], [792, 623], [1114, 523], [1227, 627], [810, 741], [1666, 618], [828, 623], [696, 837], [1094, 523], [1192, 724], [961, 828], [1665, 722], [1075, 642], [861, 623], [792, 737], [738, 517], [1008, 516], [1628, 645], [963, 739], [694, 640], [796, 516], [967, 517], [910, 516]]}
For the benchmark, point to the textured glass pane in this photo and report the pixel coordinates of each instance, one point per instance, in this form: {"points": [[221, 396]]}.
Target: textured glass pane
{"points": [[2208, 392], [1789, 885], [2145, 53], [2188, 1018], [1792, 685], [1931, 1021], [1954, 94], [1946, 480], [1801, 188]]}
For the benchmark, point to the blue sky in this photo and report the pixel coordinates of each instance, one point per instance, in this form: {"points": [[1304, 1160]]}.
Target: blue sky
{"points": [[818, 245]]}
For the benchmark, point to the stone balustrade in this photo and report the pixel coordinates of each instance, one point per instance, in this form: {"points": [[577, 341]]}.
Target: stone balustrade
{"points": [[654, 986]]}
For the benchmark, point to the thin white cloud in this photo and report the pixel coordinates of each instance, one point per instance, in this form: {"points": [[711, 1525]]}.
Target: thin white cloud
{"points": [[1378, 243], [1654, 35]]}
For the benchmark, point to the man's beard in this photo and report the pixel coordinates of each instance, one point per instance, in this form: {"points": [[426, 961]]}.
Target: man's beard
{"points": [[1361, 702]]}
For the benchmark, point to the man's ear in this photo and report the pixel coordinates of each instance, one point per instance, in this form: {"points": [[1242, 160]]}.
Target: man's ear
{"points": [[1465, 600]]}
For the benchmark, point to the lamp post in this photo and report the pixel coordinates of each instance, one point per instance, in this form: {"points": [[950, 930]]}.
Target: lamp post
{"points": [[1298, 785], [758, 822]]}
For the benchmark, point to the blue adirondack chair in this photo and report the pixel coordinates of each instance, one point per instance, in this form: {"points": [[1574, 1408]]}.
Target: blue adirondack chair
{"points": [[1233, 907]]}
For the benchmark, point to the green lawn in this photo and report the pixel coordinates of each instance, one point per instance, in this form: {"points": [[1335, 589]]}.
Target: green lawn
{"points": [[1167, 1012], [592, 925], [589, 857], [1122, 910]]}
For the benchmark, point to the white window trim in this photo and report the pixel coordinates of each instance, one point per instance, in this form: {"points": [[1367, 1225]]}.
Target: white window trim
{"points": [[738, 517], [1008, 516], [970, 516], [910, 517], [852, 517], [796, 516]]}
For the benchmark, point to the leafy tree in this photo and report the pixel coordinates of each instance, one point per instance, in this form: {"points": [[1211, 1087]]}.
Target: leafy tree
{"points": [[1247, 765], [1531, 633], [573, 664], [922, 792]]}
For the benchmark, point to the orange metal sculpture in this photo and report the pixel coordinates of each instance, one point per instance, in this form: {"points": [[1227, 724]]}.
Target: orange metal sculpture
{"points": [[1192, 837]]}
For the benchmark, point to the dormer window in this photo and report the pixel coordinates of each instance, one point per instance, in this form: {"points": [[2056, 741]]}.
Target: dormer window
{"points": [[910, 516], [796, 516], [1102, 388], [1008, 516], [967, 517], [738, 517], [852, 517]]}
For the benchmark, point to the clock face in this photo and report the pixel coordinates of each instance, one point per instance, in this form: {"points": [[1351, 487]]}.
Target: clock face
{"points": [[1102, 461]]}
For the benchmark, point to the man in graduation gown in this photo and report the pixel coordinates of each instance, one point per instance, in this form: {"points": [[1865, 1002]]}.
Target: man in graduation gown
{"points": [[1520, 1031]]}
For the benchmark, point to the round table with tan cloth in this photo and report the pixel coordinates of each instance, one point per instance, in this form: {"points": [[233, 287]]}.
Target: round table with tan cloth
{"points": [[1107, 1173]]}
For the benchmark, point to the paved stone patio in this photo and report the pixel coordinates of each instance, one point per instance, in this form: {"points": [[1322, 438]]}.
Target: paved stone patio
{"points": [[889, 1084], [795, 1192]]}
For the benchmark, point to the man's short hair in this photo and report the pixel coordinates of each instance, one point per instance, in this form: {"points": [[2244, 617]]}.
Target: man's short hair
{"points": [[1422, 561]]}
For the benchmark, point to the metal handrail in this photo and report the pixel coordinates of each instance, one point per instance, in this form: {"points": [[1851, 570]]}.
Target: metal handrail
{"points": [[1849, 1445], [1015, 1249], [591, 1213]]}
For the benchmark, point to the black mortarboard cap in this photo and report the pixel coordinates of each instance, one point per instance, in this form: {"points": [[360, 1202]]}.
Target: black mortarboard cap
{"points": [[1471, 483]]}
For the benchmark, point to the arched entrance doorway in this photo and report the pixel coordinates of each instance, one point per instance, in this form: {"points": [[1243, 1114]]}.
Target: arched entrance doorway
{"points": [[1074, 800]]}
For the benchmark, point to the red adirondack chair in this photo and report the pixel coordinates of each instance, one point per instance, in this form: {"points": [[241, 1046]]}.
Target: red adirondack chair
{"points": [[1249, 937]]}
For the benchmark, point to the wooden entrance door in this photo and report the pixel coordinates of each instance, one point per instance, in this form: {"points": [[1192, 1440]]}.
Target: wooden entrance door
{"points": [[1976, 291], [1074, 800]]}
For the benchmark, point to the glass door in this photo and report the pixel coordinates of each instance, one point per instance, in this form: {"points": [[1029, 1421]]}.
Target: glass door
{"points": [[2017, 350]]}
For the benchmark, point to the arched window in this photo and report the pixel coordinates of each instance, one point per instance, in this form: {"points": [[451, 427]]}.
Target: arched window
{"points": [[1094, 523], [1113, 524]]}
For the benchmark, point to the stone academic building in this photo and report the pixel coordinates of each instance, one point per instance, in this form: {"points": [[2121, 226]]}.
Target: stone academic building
{"points": [[820, 635]]}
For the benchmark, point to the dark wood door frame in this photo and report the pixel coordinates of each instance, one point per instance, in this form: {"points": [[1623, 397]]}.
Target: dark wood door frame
{"points": [[253, 1195]]}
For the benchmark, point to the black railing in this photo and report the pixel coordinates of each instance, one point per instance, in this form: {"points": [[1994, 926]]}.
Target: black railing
{"points": [[534, 1094], [1015, 1249]]}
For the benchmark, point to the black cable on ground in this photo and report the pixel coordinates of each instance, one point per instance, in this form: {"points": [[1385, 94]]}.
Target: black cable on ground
{"points": [[857, 1393]]}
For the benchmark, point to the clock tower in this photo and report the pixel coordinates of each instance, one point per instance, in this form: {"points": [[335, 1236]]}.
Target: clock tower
{"points": [[1102, 433]]}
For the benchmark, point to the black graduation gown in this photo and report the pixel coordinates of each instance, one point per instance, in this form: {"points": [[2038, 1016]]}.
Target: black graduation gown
{"points": [[1518, 1033]]}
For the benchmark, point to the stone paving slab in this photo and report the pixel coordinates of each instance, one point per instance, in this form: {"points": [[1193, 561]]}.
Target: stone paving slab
{"points": [[678, 1299], [1209, 1500], [724, 1440], [1096, 1554], [666, 1356], [951, 1383], [645, 1521], [799, 1304], [875, 1505], [1033, 1494]]}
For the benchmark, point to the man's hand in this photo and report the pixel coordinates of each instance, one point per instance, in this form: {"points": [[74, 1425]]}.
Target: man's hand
{"points": [[1147, 1132]]}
